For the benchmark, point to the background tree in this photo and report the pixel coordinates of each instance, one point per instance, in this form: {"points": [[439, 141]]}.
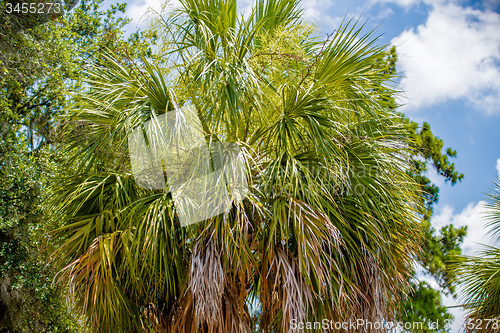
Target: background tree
{"points": [[38, 68], [439, 248], [424, 303]]}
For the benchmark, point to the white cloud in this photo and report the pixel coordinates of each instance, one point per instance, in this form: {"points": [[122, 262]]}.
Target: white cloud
{"points": [[454, 55], [141, 10], [245, 7], [492, 5], [471, 216], [471, 139], [408, 3], [434, 177], [498, 167], [317, 12], [385, 14]]}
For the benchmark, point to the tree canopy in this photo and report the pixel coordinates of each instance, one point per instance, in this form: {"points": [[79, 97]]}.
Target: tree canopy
{"points": [[39, 66]]}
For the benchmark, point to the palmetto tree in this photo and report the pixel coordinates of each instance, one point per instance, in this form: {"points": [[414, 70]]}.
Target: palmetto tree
{"points": [[479, 277], [329, 225]]}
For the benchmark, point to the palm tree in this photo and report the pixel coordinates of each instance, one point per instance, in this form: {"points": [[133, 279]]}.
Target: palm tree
{"points": [[479, 278], [329, 224]]}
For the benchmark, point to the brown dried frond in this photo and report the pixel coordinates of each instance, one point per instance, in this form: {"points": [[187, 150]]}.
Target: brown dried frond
{"points": [[207, 279]]}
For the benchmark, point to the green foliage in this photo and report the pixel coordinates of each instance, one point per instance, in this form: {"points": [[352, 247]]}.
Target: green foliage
{"points": [[431, 147], [439, 252], [439, 249], [41, 65], [29, 301], [424, 305], [437, 259], [430, 152], [38, 68]]}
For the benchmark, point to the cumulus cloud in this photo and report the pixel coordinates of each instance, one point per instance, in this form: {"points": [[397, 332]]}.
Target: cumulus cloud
{"points": [[498, 167], [141, 10], [471, 216], [492, 5], [435, 177], [317, 12], [409, 3], [454, 55]]}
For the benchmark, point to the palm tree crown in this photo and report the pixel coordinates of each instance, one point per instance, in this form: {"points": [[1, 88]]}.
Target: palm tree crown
{"points": [[329, 224]]}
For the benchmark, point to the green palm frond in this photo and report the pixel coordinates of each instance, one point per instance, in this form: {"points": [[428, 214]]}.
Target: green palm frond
{"points": [[482, 287], [494, 211]]}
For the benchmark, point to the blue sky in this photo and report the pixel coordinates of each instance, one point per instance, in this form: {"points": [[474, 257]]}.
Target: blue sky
{"points": [[449, 56]]}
